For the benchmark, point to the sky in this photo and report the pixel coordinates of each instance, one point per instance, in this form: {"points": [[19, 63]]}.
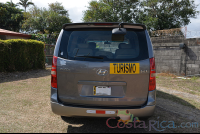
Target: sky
{"points": [[76, 7]]}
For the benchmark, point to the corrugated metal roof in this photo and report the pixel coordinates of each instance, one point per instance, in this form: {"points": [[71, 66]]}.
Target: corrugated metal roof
{"points": [[11, 33]]}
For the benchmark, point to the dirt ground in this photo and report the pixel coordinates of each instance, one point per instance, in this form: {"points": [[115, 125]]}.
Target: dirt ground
{"points": [[25, 107], [190, 85]]}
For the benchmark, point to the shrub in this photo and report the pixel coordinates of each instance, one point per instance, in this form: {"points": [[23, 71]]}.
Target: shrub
{"points": [[21, 55], [46, 38]]}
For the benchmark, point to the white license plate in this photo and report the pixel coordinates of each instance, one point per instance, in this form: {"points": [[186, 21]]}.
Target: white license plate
{"points": [[101, 90]]}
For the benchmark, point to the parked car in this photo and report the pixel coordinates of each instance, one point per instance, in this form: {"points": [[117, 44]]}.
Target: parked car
{"points": [[99, 68]]}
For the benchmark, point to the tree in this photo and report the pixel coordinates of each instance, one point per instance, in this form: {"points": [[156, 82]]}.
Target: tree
{"points": [[12, 4], [111, 11], [155, 14], [58, 8], [46, 20], [11, 17], [25, 3], [159, 14]]}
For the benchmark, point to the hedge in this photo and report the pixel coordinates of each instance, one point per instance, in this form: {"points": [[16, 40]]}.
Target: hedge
{"points": [[21, 55]]}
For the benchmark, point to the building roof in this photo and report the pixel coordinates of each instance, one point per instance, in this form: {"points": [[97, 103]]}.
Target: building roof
{"points": [[11, 33]]}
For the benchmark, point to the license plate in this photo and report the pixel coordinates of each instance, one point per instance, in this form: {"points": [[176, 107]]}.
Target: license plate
{"points": [[124, 68], [101, 90]]}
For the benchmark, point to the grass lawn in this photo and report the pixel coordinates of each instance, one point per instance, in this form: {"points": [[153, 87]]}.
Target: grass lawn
{"points": [[25, 104], [25, 107], [191, 86]]}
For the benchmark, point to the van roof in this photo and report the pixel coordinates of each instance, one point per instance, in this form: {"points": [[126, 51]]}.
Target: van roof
{"points": [[103, 25]]}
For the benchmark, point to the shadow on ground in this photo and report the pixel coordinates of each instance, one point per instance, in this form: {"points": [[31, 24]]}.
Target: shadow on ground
{"points": [[98, 125], [174, 99], [15, 76]]}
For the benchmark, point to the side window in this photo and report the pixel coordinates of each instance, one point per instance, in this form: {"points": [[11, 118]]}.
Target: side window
{"points": [[64, 43]]}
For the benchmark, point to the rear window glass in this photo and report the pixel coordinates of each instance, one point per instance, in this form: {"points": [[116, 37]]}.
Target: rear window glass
{"points": [[97, 45]]}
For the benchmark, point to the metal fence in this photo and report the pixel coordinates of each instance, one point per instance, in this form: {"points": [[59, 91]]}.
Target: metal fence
{"points": [[49, 50]]}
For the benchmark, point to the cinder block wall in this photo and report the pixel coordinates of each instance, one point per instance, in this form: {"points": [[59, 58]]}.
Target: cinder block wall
{"points": [[170, 58]]}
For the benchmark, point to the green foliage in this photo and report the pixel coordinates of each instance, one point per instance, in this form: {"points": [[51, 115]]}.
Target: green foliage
{"points": [[166, 14], [46, 38], [10, 17], [11, 4], [111, 11], [21, 55], [25, 3], [58, 8], [155, 14], [194, 78], [45, 20]]}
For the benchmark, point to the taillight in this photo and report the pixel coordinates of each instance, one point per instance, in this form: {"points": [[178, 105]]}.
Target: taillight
{"points": [[54, 72], [152, 78]]}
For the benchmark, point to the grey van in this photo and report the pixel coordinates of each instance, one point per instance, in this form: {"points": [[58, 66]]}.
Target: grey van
{"points": [[99, 68]]}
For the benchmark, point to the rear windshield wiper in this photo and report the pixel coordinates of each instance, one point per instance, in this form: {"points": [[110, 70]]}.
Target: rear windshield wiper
{"points": [[85, 56]]}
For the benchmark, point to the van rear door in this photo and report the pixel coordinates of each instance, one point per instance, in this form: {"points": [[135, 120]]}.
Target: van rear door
{"points": [[93, 70]]}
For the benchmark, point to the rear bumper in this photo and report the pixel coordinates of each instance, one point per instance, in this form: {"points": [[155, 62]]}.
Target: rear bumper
{"points": [[62, 110], [71, 111]]}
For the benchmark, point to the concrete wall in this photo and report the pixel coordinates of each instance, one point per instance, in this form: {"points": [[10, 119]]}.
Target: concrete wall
{"points": [[170, 58]]}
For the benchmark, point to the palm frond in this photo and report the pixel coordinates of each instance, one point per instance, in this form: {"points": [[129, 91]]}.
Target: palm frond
{"points": [[30, 3]]}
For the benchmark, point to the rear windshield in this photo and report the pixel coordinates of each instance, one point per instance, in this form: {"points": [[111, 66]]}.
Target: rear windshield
{"points": [[97, 45]]}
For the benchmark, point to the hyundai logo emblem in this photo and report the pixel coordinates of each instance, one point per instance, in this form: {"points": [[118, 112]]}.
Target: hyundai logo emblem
{"points": [[102, 72]]}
